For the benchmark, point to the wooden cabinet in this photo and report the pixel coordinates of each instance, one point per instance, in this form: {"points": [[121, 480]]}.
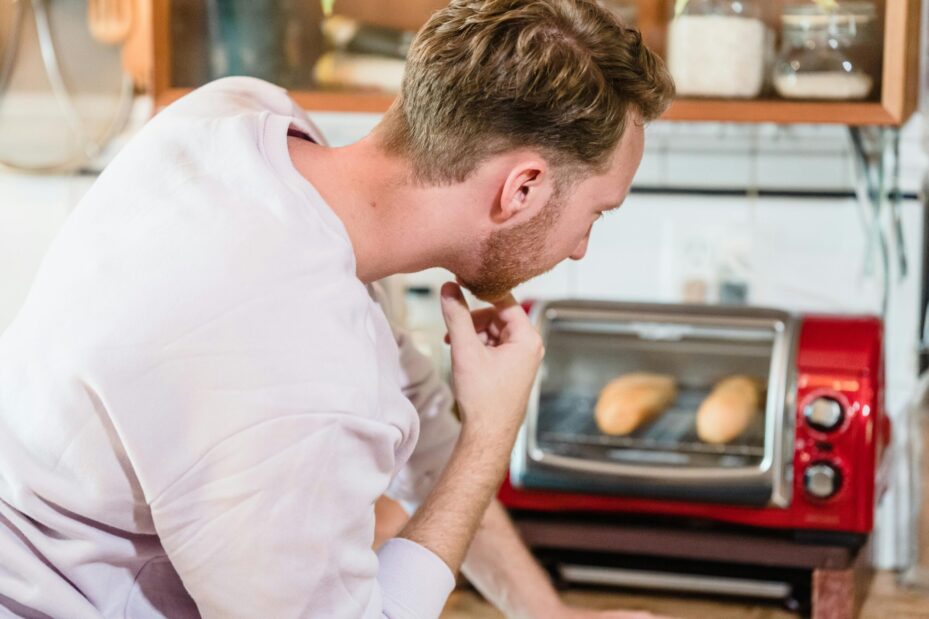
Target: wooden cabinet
{"points": [[892, 103], [185, 35]]}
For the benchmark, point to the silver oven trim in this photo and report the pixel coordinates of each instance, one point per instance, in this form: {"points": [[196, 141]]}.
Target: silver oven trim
{"points": [[775, 468]]}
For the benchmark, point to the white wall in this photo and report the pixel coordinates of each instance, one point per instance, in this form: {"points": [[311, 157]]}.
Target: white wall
{"points": [[32, 210]]}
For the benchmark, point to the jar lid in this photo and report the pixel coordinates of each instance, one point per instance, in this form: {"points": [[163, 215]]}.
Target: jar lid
{"points": [[844, 13]]}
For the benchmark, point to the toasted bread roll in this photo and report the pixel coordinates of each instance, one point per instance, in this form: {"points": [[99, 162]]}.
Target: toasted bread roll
{"points": [[729, 409], [632, 400]]}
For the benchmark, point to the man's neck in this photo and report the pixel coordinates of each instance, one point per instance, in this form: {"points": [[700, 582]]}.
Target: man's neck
{"points": [[395, 226]]}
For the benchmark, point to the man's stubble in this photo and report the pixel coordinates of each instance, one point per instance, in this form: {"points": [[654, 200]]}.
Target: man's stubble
{"points": [[514, 255]]}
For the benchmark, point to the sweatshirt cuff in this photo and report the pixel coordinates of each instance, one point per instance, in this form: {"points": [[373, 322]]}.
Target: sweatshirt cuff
{"points": [[415, 583]]}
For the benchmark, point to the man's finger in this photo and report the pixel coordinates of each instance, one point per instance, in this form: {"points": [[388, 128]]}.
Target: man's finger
{"points": [[484, 318], [457, 316], [512, 316], [505, 302]]}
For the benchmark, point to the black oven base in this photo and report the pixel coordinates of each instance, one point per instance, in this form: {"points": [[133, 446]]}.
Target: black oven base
{"points": [[815, 571]]}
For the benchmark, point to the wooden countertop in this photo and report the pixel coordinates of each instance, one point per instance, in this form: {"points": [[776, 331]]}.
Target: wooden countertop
{"points": [[885, 600]]}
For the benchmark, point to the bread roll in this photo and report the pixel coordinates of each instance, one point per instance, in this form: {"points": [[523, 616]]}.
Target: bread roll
{"points": [[729, 409], [632, 400]]}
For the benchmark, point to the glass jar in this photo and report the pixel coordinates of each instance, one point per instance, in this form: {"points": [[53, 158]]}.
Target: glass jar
{"points": [[828, 53], [360, 54], [273, 40], [716, 48]]}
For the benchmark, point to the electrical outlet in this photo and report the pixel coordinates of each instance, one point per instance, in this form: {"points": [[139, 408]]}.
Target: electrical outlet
{"points": [[707, 263]]}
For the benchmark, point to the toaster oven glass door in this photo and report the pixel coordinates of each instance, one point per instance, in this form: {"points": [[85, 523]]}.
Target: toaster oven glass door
{"points": [[563, 446]]}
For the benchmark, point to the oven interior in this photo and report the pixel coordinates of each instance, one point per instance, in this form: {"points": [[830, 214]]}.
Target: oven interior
{"points": [[582, 356]]}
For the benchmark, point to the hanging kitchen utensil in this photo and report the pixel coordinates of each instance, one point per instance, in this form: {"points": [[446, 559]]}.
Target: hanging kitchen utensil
{"points": [[88, 139], [109, 20], [137, 53], [10, 43]]}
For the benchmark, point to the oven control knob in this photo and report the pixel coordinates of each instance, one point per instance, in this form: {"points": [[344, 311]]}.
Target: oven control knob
{"points": [[824, 414], [822, 480]]}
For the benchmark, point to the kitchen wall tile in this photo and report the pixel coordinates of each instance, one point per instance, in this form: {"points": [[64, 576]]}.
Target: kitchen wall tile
{"points": [[804, 171], [31, 213], [341, 128], [652, 169], [561, 282], [638, 252], [772, 157], [723, 170], [914, 154]]}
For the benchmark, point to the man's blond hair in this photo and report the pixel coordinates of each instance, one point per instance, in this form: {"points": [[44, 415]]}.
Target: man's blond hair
{"points": [[483, 77]]}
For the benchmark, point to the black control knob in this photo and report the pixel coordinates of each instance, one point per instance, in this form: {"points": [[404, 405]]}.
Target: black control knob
{"points": [[824, 414], [822, 480]]}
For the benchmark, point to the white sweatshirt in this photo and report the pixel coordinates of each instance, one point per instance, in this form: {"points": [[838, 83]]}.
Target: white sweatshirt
{"points": [[199, 400]]}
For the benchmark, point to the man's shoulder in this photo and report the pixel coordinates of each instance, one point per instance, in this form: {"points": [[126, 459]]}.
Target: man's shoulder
{"points": [[230, 96]]}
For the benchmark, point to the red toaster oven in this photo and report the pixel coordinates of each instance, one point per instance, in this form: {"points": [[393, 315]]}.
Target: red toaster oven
{"points": [[808, 458]]}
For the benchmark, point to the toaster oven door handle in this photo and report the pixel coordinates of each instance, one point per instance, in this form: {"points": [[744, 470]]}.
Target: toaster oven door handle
{"points": [[755, 486], [646, 473]]}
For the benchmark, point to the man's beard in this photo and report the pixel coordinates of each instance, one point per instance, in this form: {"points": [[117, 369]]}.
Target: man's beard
{"points": [[514, 255]]}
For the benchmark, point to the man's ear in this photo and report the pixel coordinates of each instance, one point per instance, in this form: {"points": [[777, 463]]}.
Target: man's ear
{"points": [[527, 188]]}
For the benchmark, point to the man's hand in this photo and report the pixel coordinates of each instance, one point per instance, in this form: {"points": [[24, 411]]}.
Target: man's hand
{"points": [[496, 353], [493, 364]]}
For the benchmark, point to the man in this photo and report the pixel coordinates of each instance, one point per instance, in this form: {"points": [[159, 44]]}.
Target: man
{"points": [[201, 401]]}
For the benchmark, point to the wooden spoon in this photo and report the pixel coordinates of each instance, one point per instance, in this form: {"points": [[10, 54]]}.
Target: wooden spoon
{"points": [[109, 20], [138, 50]]}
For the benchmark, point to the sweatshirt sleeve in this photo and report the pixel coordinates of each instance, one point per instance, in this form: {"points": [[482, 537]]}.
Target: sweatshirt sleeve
{"points": [[438, 427], [277, 521]]}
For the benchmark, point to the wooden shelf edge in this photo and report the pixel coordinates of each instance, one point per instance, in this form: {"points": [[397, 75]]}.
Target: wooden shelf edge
{"points": [[683, 110], [780, 112], [343, 102]]}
